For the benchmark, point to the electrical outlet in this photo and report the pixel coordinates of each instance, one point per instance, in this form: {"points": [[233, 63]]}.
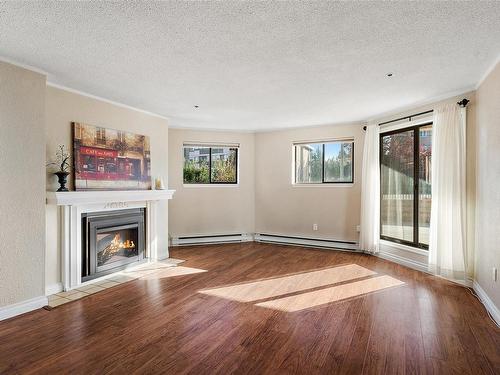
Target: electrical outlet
{"points": [[315, 226], [495, 274]]}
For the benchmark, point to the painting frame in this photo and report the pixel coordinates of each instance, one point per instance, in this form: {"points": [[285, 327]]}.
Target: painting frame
{"points": [[110, 159]]}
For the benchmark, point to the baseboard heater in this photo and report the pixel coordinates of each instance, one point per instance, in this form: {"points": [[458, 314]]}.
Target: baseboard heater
{"points": [[211, 239], [308, 242]]}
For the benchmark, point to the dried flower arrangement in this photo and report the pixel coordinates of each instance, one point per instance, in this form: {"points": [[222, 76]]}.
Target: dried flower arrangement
{"points": [[63, 164], [62, 160]]}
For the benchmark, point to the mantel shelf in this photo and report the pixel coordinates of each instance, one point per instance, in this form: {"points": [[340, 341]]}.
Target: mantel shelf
{"points": [[74, 198]]}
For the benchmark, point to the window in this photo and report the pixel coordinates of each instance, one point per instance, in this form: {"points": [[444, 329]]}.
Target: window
{"points": [[100, 136], [405, 185], [210, 165], [330, 162]]}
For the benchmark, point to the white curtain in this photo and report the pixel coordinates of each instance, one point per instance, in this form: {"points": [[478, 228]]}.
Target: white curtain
{"points": [[370, 192], [448, 245]]}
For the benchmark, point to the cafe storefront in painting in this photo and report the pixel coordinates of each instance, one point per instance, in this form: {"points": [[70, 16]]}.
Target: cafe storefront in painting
{"points": [[107, 159]]}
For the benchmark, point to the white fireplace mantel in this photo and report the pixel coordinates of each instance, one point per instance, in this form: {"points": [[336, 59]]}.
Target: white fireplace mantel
{"points": [[74, 198], [72, 204]]}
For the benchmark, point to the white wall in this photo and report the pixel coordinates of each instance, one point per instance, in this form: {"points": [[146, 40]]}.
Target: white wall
{"points": [[214, 209], [488, 184], [64, 107], [22, 184]]}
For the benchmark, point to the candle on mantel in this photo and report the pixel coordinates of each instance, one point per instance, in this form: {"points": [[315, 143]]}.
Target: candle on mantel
{"points": [[159, 185]]}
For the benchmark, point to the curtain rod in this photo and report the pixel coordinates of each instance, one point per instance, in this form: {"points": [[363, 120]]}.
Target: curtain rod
{"points": [[461, 103]]}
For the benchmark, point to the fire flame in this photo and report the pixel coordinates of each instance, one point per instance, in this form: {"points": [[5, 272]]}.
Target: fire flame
{"points": [[117, 243]]}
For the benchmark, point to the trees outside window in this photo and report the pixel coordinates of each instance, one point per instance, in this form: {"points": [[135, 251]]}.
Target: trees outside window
{"points": [[405, 185], [328, 162], [210, 165]]}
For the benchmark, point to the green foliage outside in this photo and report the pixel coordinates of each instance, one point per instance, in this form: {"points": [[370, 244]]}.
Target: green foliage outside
{"points": [[196, 173], [313, 174], [397, 162], [223, 170], [339, 168]]}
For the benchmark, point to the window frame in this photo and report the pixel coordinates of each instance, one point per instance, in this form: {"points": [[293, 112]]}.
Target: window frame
{"points": [[416, 185], [323, 143], [210, 182]]}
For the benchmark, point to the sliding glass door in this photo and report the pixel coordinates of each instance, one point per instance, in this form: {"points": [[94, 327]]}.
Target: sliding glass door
{"points": [[405, 185]]}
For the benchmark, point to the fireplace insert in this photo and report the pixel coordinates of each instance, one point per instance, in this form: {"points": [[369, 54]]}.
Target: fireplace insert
{"points": [[112, 240]]}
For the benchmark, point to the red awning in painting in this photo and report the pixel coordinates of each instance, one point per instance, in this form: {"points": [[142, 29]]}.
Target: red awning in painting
{"points": [[98, 152]]}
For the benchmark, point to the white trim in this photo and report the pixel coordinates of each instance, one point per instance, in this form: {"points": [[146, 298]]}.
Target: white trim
{"points": [[419, 266], [100, 98], [265, 130], [399, 246], [53, 289], [72, 198], [324, 185], [487, 302], [323, 140], [423, 105], [75, 91], [307, 242], [212, 185], [193, 144], [22, 307], [211, 239], [73, 204], [359, 122], [24, 66], [488, 72], [215, 130]]}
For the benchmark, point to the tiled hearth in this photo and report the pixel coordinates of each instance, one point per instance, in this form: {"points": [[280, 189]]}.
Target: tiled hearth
{"points": [[99, 285]]}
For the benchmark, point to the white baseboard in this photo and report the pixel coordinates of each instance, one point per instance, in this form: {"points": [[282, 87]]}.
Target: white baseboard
{"points": [[263, 237], [9, 311], [212, 239], [403, 261], [307, 242], [53, 289], [487, 302]]}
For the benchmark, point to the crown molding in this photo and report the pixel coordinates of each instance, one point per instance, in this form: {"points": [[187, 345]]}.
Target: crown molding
{"points": [[22, 65], [488, 72], [100, 98], [449, 95], [422, 103]]}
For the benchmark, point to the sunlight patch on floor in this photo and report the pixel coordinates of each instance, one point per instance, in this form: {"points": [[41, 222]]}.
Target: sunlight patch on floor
{"points": [[171, 272], [263, 289], [305, 290], [332, 294]]}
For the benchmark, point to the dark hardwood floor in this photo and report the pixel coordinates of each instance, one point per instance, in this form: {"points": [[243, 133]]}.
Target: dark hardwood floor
{"points": [[335, 313]]}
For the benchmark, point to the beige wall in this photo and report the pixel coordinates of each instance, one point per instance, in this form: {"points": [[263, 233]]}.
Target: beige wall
{"points": [[64, 107], [22, 181], [488, 182], [283, 208], [215, 209]]}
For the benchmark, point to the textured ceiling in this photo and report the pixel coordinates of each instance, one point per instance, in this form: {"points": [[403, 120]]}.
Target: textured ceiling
{"points": [[250, 65]]}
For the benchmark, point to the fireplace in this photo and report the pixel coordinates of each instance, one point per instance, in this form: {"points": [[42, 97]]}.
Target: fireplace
{"points": [[111, 241]]}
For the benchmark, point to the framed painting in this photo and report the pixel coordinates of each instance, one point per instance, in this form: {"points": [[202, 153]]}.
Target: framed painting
{"points": [[108, 159]]}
